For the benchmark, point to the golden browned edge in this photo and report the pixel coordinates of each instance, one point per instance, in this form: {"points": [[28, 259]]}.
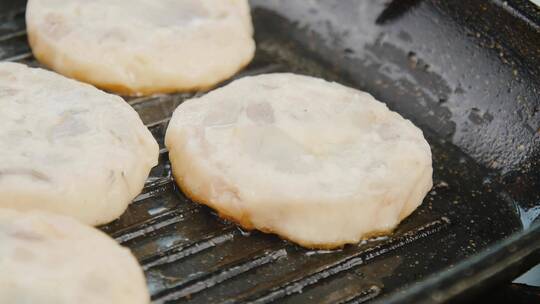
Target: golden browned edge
{"points": [[119, 88], [125, 91], [246, 223]]}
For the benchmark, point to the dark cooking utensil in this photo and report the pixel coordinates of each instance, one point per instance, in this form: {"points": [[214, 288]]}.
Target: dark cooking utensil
{"points": [[466, 72]]}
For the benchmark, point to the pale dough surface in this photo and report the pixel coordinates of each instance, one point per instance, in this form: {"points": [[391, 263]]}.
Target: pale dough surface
{"points": [[316, 162], [142, 46], [51, 259], [69, 148]]}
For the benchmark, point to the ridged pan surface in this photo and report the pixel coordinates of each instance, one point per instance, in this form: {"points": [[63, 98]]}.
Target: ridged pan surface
{"points": [[422, 63]]}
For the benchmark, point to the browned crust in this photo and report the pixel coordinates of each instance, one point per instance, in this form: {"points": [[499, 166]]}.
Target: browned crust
{"points": [[118, 88], [245, 222]]}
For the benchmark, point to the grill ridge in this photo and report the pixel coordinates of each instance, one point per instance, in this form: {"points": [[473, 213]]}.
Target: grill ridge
{"points": [[218, 276], [348, 262], [159, 186], [155, 223], [363, 296], [18, 57], [176, 253], [13, 35]]}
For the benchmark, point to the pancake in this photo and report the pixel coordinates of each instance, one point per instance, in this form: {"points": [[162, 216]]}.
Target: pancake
{"points": [[142, 46], [51, 259], [68, 147], [315, 162]]}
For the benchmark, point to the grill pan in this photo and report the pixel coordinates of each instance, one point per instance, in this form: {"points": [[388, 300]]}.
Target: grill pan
{"points": [[466, 72]]}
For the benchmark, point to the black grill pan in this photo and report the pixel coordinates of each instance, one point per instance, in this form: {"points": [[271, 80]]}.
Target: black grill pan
{"points": [[466, 72]]}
